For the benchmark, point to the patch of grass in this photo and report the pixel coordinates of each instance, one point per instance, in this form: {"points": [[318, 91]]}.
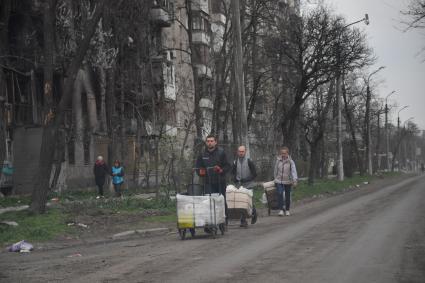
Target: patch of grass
{"points": [[162, 218], [33, 227], [15, 201], [113, 205], [304, 190], [324, 186]]}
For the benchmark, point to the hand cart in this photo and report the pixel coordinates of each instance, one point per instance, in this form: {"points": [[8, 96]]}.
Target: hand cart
{"points": [[271, 195], [200, 211], [239, 203]]}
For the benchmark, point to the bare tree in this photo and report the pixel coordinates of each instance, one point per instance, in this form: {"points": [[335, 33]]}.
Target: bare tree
{"points": [[308, 54], [54, 117], [314, 123], [416, 13]]}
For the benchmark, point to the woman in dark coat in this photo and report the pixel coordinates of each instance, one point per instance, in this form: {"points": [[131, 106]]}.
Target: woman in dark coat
{"points": [[100, 171]]}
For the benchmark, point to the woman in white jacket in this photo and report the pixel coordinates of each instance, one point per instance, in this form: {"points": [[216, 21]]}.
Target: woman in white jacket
{"points": [[285, 176]]}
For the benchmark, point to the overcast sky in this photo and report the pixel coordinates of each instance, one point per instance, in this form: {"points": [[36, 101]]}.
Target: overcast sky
{"points": [[395, 49]]}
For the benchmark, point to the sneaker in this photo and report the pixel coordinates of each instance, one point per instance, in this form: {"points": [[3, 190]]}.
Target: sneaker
{"points": [[287, 213], [281, 213]]}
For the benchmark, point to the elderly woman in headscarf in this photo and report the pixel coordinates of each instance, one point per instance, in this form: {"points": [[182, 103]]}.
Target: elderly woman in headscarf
{"points": [[100, 170]]}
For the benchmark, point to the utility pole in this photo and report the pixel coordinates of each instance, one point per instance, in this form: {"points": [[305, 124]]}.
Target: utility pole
{"points": [[239, 76], [367, 118], [387, 135], [340, 159]]}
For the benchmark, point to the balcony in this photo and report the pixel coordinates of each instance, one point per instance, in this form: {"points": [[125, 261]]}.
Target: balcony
{"points": [[203, 71], [200, 37], [163, 75], [201, 5], [206, 103], [219, 19], [161, 14]]}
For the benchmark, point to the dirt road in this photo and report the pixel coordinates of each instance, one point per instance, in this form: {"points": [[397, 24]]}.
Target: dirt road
{"points": [[375, 234]]}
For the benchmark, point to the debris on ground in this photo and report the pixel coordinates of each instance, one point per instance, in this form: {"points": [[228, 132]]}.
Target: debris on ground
{"points": [[10, 223], [78, 224], [21, 246], [75, 255]]}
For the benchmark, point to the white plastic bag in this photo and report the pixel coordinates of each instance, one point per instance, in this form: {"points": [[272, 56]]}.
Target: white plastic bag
{"points": [[264, 199]]}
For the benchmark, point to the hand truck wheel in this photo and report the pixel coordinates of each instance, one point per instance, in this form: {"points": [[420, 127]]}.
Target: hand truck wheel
{"points": [[182, 233], [222, 228], [214, 232]]}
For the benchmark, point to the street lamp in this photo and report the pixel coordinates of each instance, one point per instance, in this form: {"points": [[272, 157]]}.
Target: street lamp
{"points": [[387, 135], [365, 20], [403, 155], [340, 163], [368, 136], [398, 135], [398, 116], [408, 120]]}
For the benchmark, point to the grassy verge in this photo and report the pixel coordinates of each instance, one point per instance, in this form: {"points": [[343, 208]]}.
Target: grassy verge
{"points": [[14, 201], [33, 227], [320, 187]]}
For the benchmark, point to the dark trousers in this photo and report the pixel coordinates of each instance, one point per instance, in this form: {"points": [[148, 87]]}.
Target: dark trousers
{"points": [[117, 188], [100, 189], [100, 182], [284, 192]]}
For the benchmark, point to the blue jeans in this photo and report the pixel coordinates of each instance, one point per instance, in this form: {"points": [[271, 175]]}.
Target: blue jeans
{"points": [[284, 192]]}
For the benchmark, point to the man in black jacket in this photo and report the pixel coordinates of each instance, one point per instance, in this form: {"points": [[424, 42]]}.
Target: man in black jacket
{"points": [[213, 165], [244, 172]]}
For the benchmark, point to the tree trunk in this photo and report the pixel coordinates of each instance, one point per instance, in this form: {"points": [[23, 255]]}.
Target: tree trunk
{"points": [[77, 111], [110, 105], [239, 75], [314, 158], [91, 99], [53, 121], [352, 131], [197, 91], [103, 123]]}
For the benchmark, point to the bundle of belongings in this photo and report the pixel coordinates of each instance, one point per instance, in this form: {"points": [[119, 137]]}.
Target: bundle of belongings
{"points": [[239, 201]]}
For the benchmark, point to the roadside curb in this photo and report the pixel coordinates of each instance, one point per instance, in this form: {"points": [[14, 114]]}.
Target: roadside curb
{"points": [[153, 231]]}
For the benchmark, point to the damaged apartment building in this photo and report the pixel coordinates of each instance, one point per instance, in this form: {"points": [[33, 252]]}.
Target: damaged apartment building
{"points": [[133, 101]]}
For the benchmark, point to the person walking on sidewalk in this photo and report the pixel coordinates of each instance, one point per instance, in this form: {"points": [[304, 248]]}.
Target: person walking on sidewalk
{"points": [[285, 177], [244, 173], [100, 171], [117, 173]]}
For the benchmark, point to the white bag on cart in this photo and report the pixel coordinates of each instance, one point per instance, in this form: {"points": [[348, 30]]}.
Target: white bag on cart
{"points": [[239, 198], [200, 210]]}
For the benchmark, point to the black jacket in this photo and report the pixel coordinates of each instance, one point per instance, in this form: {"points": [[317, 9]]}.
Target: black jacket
{"points": [[100, 171], [209, 159], [252, 168]]}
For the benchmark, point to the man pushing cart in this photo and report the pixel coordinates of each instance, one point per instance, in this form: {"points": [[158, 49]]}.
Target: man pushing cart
{"points": [[212, 165]]}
